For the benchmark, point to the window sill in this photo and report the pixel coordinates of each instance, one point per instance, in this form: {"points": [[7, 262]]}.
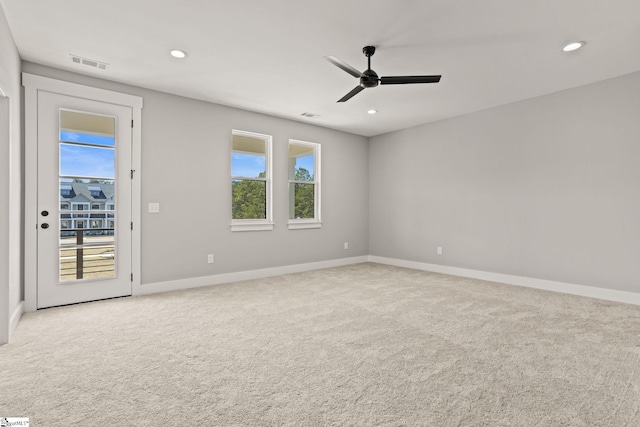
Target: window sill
{"points": [[299, 225], [260, 226]]}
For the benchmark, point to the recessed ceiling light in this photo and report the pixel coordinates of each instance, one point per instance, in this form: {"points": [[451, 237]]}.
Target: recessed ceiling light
{"points": [[573, 46], [372, 111], [177, 53]]}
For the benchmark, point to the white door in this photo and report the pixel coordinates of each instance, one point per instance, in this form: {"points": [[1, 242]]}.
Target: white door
{"points": [[84, 200]]}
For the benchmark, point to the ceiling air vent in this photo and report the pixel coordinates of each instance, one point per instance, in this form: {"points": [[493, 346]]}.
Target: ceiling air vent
{"points": [[89, 62], [310, 115]]}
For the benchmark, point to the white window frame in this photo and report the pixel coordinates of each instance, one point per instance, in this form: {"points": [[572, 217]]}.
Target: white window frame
{"points": [[316, 221], [256, 224]]}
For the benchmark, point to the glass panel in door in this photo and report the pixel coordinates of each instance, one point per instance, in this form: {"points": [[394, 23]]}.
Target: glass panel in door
{"points": [[87, 182]]}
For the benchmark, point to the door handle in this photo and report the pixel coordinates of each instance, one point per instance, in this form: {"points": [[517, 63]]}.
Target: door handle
{"points": [[45, 226]]}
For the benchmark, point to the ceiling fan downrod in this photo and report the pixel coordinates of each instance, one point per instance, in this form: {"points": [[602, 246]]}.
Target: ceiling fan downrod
{"points": [[369, 77]]}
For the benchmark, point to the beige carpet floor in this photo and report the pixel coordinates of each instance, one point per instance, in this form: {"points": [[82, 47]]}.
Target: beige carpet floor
{"points": [[362, 345]]}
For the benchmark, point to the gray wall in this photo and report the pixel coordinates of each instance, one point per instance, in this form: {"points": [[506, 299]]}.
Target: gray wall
{"points": [[10, 180], [186, 152], [547, 188]]}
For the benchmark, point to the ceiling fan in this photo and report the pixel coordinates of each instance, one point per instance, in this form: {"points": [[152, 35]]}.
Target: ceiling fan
{"points": [[369, 78]]}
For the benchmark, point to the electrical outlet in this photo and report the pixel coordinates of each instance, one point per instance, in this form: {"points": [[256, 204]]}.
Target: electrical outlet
{"points": [[346, 245], [210, 259], [154, 207], [439, 250]]}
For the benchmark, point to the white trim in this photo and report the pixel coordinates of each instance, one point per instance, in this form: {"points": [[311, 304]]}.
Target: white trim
{"points": [[80, 91], [528, 282], [251, 226], [197, 282], [301, 225], [32, 84], [15, 318], [5, 217], [30, 196]]}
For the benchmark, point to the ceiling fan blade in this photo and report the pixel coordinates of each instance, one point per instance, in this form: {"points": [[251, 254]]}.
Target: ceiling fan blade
{"points": [[351, 94], [401, 80], [343, 66]]}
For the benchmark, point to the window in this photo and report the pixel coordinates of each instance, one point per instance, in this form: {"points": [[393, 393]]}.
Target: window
{"points": [[80, 207], [95, 191], [250, 182], [304, 184], [65, 190], [95, 207], [110, 206]]}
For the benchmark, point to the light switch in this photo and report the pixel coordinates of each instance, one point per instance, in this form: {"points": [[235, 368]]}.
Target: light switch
{"points": [[154, 207]]}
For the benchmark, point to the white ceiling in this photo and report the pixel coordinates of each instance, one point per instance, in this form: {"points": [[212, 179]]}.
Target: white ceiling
{"points": [[268, 55]]}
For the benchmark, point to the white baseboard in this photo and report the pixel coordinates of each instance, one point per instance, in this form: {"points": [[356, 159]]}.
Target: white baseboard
{"points": [[15, 318], [547, 285], [196, 282], [528, 282]]}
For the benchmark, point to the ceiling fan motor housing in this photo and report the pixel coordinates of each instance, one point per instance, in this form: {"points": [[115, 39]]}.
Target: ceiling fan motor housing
{"points": [[369, 78]]}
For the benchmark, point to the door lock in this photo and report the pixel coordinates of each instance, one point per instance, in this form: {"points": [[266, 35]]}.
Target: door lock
{"points": [[44, 213]]}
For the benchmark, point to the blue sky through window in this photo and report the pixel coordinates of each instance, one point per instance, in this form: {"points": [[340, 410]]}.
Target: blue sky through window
{"points": [[307, 163], [247, 165], [68, 136], [79, 160]]}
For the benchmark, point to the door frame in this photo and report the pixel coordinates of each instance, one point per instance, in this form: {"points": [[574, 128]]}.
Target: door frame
{"points": [[5, 223], [32, 85]]}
